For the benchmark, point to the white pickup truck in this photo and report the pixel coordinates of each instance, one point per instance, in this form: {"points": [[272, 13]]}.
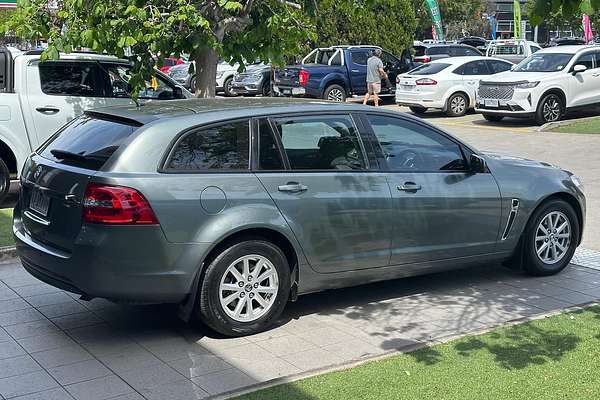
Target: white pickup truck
{"points": [[513, 50], [38, 98]]}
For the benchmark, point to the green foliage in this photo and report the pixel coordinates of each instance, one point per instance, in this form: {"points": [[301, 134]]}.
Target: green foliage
{"points": [[389, 24], [457, 16], [541, 10], [235, 30]]}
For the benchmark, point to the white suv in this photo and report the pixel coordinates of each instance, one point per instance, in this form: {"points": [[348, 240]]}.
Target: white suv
{"points": [[544, 86]]}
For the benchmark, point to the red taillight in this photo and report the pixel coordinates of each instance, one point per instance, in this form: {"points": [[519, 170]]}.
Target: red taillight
{"points": [[119, 205], [423, 59], [303, 77], [425, 82]]}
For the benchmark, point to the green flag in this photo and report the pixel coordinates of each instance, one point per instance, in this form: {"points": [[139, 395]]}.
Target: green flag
{"points": [[436, 18], [517, 19]]}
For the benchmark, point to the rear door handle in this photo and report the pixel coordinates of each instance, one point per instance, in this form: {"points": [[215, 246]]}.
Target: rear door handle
{"points": [[49, 110], [354, 70], [292, 187], [409, 187]]}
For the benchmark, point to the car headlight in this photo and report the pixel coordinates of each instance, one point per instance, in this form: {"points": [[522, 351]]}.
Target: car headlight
{"points": [[577, 182], [220, 74], [527, 85]]}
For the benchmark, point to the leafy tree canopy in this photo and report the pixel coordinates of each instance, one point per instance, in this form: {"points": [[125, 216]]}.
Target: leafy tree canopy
{"points": [[457, 16], [541, 10]]}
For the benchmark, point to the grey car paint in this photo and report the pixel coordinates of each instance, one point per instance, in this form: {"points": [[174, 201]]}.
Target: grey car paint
{"points": [[348, 228]]}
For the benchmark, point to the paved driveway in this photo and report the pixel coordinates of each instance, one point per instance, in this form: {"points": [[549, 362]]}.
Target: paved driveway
{"points": [[54, 346]]}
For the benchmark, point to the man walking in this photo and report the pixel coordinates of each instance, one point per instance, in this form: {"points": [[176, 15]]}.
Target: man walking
{"points": [[374, 74]]}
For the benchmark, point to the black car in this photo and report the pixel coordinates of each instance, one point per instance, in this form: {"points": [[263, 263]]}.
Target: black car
{"points": [[569, 41], [474, 41], [425, 53]]}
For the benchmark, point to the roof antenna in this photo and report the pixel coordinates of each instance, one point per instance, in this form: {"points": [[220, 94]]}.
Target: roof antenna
{"points": [[135, 100]]}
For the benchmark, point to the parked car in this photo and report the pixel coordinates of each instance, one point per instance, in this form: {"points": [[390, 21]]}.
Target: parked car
{"points": [[513, 50], [569, 41], [427, 53], [37, 98], [170, 62], [163, 203], [449, 84], [544, 86], [225, 75], [335, 73], [255, 80], [474, 41]]}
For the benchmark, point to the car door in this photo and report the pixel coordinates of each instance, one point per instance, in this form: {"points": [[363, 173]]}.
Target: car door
{"points": [[357, 69], [441, 210], [338, 206], [393, 67], [584, 87], [58, 91], [471, 73]]}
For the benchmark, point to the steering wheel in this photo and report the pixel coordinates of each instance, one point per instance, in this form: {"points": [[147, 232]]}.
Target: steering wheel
{"points": [[409, 159]]}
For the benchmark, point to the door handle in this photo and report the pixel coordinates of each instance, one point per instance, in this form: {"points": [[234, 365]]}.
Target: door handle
{"points": [[409, 187], [354, 70], [49, 110], [292, 187]]}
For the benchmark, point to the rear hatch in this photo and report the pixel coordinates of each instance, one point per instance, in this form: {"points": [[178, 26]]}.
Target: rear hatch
{"points": [[288, 76], [420, 78], [55, 179]]}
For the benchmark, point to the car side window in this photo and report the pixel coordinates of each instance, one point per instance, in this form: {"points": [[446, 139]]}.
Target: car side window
{"points": [[321, 142], [219, 147], [478, 67], [269, 157], [412, 147], [359, 57], [498, 66], [64, 78], [534, 49], [118, 83], [587, 60], [389, 61]]}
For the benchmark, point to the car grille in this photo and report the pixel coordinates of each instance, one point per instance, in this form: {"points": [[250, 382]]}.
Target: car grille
{"points": [[495, 91]]}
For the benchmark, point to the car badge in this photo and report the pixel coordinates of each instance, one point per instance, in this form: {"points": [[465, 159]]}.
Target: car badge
{"points": [[37, 173]]}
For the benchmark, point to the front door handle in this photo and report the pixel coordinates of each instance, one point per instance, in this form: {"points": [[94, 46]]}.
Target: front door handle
{"points": [[355, 70], [409, 187], [49, 110], [292, 187]]}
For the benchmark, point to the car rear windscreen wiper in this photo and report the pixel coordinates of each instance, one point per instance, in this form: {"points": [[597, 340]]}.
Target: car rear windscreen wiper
{"points": [[68, 155]]}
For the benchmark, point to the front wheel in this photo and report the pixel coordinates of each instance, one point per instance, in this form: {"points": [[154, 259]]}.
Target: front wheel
{"points": [[335, 93], [551, 237], [228, 88], [550, 109], [245, 288], [493, 117]]}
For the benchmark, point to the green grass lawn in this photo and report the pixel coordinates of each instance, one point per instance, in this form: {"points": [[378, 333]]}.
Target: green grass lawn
{"points": [[6, 237], [553, 358], [587, 126]]}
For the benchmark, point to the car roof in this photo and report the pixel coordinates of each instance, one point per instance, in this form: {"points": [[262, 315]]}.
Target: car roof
{"points": [[463, 59], [570, 49], [75, 57]]}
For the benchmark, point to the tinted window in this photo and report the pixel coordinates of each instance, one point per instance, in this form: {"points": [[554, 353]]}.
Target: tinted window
{"points": [[116, 78], [438, 50], [91, 141], [69, 79], [359, 57], [478, 67], [389, 61], [429, 69], [321, 142], [222, 147], [420, 51], [587, 60], [498, 66], [409, 146], [269, 157]]}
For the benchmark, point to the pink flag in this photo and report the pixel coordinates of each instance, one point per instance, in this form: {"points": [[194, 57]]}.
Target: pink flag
{"points": [[588, 35]]}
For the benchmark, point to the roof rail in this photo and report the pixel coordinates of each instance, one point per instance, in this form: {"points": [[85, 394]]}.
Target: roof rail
{"points": [[38, 52]]}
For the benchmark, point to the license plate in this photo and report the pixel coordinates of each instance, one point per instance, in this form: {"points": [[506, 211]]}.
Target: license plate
{"points": [[407, 87], [39, 202], [491, 103]]}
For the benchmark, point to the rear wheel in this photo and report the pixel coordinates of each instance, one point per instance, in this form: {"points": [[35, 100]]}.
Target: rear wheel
{"points": [[493, 117], [245, 288], [418, 110], [457, 105], [266, 89], [551, 237], [4, 180], [550, 109], [335, 93]]}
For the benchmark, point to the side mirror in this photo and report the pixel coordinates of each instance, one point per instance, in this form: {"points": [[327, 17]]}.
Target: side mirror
{"points": [[579, 68], [477, 164]]}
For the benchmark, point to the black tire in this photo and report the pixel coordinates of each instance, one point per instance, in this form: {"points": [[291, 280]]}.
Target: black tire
{"points": [[4, 180], [335, 93], [418, 110], [208, 305], [550, 109], [266, 89], [493, 117], [457, 105], [532, 264], [193, 84], [227, 88]]}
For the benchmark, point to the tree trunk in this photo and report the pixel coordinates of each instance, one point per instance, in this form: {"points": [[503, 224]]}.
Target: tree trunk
{"points": [[206, 72]]}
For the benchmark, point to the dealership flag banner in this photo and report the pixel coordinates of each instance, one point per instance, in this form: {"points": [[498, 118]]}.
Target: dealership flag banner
{"points": [[436, 18], [588, 34], [517, 18], [8, 3]]}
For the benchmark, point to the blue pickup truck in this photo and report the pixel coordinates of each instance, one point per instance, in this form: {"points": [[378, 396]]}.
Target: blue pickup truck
{"points": [[335, 73]]}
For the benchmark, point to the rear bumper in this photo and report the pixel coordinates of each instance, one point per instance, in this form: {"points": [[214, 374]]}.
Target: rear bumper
{"points": [[426, 99], [130, 264]]}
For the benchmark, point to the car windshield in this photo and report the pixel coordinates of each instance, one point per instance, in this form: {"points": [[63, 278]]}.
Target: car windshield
{"points": [[545, 62], [429, 69]]}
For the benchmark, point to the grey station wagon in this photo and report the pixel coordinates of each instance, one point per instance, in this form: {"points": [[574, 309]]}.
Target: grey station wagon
{"points": [[231, 208]]}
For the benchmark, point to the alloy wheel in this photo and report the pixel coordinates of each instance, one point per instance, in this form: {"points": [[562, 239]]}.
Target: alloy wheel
{"points": [[551, 109], [248, 288], [553, 237], [335, 95], [458, 105]]}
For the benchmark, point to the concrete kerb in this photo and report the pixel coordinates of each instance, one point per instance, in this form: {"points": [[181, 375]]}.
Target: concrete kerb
{"points": [[408, 349], [8, 254], [551, 125]]}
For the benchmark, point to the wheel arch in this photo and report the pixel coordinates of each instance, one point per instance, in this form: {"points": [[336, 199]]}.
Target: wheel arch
{"points": [[8, 156], [557, 91], [333, 79], [452, 92], [572, 201]]}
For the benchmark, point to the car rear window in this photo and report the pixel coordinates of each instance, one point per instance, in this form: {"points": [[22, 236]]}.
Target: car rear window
{"points": [[88, 141], [438, 50], [420, 51], [429, 69]]}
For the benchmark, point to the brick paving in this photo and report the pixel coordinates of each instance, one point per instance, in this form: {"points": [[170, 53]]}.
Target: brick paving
{"points": [[54, 346]]}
